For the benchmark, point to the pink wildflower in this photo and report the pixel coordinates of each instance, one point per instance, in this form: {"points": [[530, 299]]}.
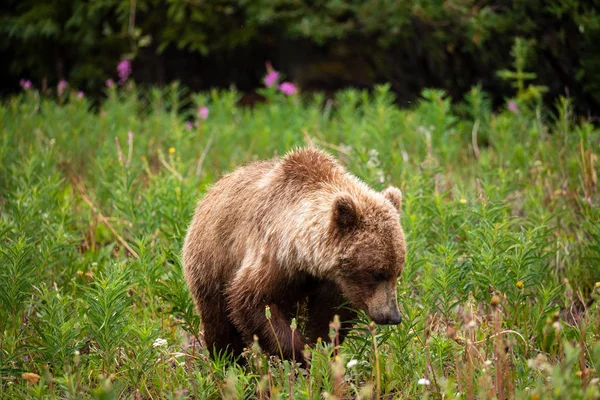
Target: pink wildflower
{"points": [[123, 70], [188, 126], [62, 85], [25, 84], [288, 88], [272, 75], [109, 83], [203, 112], [512, 106], [80, 95], [271, 78]]}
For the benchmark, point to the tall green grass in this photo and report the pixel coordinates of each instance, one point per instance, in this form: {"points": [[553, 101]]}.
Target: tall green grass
{"points": [[499, 296]]}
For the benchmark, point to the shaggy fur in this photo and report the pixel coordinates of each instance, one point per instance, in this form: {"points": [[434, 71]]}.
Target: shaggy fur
{"points": [[294, 231]]}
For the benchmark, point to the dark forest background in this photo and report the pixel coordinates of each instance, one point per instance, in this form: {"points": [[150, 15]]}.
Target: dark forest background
{"points": [[320, 45]]}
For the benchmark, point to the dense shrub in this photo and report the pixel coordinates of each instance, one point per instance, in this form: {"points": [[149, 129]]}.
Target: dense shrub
{"points": [[411, 44]]}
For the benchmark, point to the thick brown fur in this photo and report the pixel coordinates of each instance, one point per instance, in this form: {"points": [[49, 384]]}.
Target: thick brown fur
{"points": [[290, 231]]}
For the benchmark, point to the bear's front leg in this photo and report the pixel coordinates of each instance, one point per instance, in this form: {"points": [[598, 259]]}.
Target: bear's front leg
{"points": [[248, 296], [324, 302]]}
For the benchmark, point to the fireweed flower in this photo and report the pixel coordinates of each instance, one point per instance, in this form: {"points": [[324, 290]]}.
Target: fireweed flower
{"points": [[272, 75], [62, 85], [288, 88], [80, 95], [25, 84], [512, 106], [188, 126], [271, 78], [109, 83], [203, 112], [123, 70]]}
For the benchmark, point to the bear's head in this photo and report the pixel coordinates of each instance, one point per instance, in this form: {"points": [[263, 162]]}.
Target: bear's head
{"points": [[371, 251]]}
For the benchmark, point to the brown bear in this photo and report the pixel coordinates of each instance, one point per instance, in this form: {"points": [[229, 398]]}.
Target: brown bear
{"points": [[290, 232]]}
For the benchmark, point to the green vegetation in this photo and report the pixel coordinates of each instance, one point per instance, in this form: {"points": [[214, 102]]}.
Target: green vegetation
{"points": [[412, 43], [501, 214]]}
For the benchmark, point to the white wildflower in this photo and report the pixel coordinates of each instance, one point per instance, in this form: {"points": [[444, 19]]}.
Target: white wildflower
{"points": [[424, 381], [159, 343], [373, 161], [351, 363], [345, 148], [556, 326]]}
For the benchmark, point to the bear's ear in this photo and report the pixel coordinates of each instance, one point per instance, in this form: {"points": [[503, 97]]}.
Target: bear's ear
{"points": [[344, 214], [394, 195]]}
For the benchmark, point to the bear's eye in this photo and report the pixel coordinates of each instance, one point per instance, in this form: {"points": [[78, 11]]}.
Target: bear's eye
{"points": [[380, 276]]}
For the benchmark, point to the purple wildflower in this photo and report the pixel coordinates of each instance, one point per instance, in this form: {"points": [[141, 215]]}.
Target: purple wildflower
{"points": [[272, 75], [62, 85], [288, 88], [109, 83], [188, 126], [25, 84], [587, 200], [123, 70], [203, 112], [271, 78], [512, 106], [80, 95]]}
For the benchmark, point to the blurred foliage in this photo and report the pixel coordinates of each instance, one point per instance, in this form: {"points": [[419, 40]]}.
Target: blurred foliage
{"points": [[411, 44]]}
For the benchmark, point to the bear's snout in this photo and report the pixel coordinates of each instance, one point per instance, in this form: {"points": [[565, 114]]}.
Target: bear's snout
{"points": [[394, 318], [382, 307], [386, 317]]}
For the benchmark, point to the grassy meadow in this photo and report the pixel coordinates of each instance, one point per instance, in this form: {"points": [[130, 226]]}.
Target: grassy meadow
{"points": [[500, 295]]}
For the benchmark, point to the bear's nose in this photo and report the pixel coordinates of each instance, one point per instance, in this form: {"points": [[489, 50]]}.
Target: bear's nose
{"points": [[394, 319]]}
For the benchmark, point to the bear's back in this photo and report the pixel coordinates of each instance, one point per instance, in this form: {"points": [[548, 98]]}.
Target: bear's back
{"points": [[310, 167], [260, 200]]}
